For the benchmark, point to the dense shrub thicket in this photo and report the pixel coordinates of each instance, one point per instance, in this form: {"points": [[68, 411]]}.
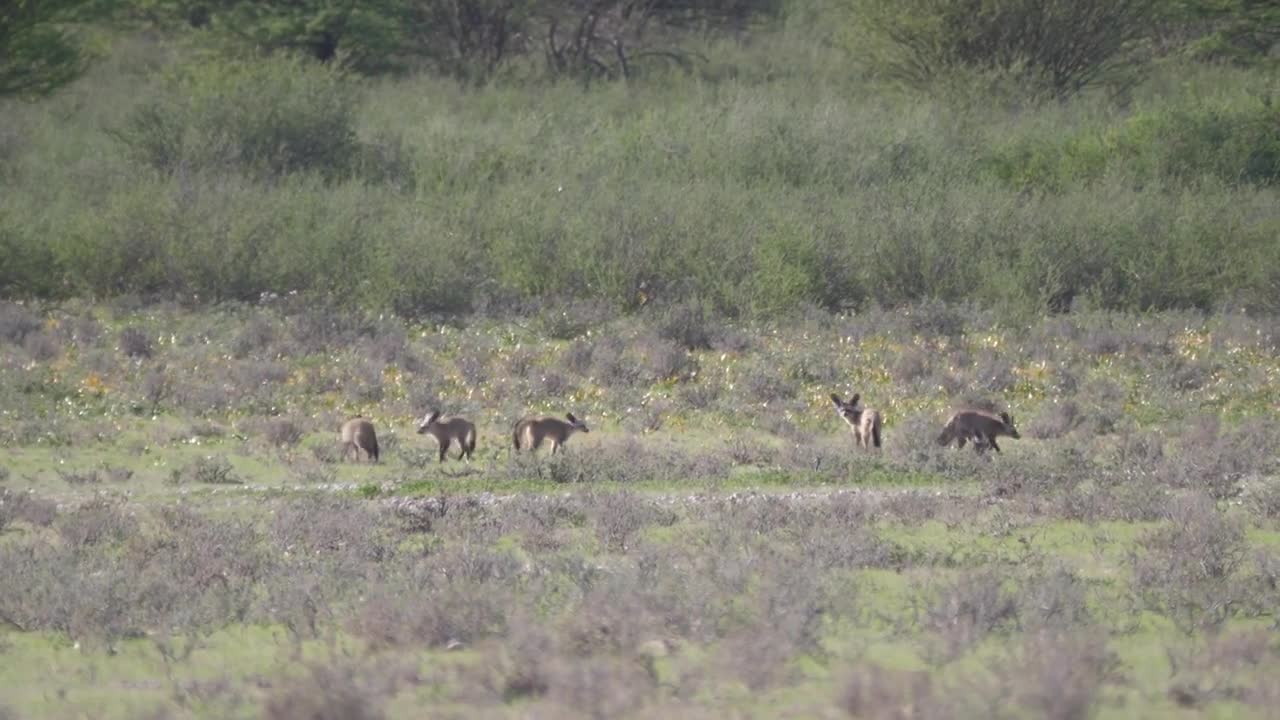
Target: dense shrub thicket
{"points": [[741, 188]]}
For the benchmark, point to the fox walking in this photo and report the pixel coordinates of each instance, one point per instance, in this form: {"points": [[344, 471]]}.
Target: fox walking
{"points": [[531, 432], [980, 427], [446, 432]]}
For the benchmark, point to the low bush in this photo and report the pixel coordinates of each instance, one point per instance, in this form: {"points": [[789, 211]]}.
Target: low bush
{"points": [[1188, 567], [135, 343], [268, 116], [212, 470]]}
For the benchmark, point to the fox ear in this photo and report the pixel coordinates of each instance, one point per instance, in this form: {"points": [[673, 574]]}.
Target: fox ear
{"points": [[1006, 417], [854, 400], [572, 419], [836, 399]]}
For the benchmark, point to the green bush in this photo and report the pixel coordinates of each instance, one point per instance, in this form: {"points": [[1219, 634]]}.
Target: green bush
{"points": [[1234, 140], [736, 200], [264, 116]]}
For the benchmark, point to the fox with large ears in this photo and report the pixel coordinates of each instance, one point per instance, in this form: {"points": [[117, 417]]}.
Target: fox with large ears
{"points": [[531, 432], [979, 426], [446, 432], [864, 422]]}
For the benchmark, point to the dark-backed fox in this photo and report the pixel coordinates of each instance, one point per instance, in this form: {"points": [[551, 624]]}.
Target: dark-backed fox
{"points": [[864, 422], [531, 432], [447, 431], [980, 427]]}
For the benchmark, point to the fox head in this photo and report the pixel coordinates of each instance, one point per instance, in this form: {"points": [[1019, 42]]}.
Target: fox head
{"points": [[850, 411], [427, 421], [577, 423], [1008, 423]]}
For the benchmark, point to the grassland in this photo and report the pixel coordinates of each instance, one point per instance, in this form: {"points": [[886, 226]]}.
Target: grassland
{"points": [[180, 537], [208, 263]]}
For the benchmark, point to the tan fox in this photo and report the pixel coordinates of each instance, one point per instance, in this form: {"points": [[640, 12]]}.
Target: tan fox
{"points": [[979, 426], [446, 431], [530, 432], [357, 434], [864, 422]]}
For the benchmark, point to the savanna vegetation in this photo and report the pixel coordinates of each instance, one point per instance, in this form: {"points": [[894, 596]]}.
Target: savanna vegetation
{"points": [[226, 227]]}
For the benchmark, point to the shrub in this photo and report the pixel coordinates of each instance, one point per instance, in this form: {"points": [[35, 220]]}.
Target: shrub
{"points": [[662, 360], [1060, 47], [763, 382], [73, 478], [264, 117], [691, 324], [1057, 598], [135, 343], [16, 322], [256, 335], [316, 525], [213, 470], [25, 506], [699, 395], [156, 388], [388, 341], [1059, 675], [1232, 665], [1233, 140], [619, 516], [443, 613], [321, 324], [1186, 567], [1055, 420], [969, 608], [326, 692], [282, 432], [910, 365], [97, 521], [1214, 460], [577, 356], [871, 692], [609, 364], [41, 346], [1262, 495]]}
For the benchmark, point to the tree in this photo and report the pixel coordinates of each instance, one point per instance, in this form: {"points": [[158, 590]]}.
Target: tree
{"points": [[1242, 31], [1064, 45], [466, 39], [609, 38], [362, 34], [37, 53]]}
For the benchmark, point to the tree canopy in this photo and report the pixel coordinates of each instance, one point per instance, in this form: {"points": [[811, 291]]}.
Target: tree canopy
{"points": [[38, 53]]}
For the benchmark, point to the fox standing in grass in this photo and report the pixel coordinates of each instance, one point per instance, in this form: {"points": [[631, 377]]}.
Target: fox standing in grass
{"points": [[980, 426], [447, 431], [357, 434], [864, 422], [531, 432]]}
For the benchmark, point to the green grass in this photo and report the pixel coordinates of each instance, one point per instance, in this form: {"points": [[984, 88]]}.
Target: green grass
{"points": [[58, 676]]}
